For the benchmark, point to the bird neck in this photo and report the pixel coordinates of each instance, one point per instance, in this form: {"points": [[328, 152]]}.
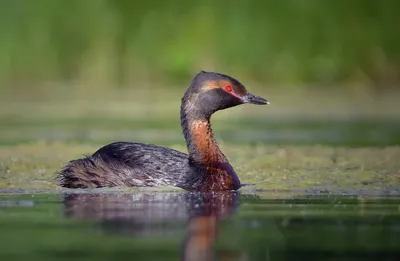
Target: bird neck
{"points": [[200, 141]]}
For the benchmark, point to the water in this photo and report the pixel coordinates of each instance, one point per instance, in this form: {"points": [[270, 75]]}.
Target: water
{"points": [[148, 225], [352, 132]]}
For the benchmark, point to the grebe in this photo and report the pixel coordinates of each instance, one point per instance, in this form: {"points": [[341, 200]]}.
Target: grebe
{"points": [[204, 168]]}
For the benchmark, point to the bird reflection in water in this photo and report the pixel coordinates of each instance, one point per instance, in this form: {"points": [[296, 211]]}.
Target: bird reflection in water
{"points": [[151, 214]]}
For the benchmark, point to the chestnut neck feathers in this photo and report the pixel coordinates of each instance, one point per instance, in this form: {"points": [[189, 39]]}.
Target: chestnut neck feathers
{"points": [[200, 141]]}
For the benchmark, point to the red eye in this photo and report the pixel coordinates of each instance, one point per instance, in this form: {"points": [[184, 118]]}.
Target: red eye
{"points": [[228, 88]]}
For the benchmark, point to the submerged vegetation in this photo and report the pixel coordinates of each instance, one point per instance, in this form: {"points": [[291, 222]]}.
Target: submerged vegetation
{"points": [[319, 168]]}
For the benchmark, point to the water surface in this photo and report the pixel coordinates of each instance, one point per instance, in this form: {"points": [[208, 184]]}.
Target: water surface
{"points": [[148, 225]]}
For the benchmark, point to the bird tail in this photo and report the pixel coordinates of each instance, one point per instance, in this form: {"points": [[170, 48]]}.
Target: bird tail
{"points": [[81, 173]]}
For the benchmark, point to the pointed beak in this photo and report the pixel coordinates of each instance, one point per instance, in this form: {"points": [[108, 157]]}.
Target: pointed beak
{"points": [[250, 98]]}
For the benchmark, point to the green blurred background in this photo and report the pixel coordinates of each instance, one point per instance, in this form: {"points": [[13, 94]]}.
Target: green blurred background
{"points": [[95, 70], [122, 42]]}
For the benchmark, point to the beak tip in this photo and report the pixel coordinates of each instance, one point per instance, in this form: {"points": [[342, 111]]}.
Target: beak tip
{"points": [[252, 99]]}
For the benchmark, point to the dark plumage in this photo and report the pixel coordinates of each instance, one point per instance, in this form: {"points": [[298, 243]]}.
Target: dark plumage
{"points": [[204, 168]]}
